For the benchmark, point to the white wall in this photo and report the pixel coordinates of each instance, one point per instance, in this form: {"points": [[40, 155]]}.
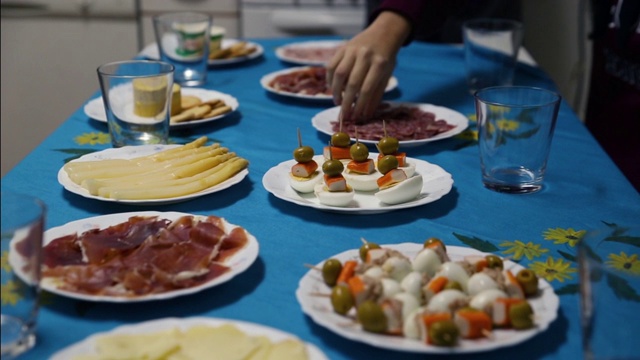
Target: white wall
{"points": [[48, 72], [556, 34]]}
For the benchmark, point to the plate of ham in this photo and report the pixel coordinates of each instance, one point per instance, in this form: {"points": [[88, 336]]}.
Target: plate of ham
{"points": [[305, 82], [309, 52], [412, 124], [143, 256], [399, 277]]}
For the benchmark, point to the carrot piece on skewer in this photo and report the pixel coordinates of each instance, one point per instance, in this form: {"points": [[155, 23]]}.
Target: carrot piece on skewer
{"points": [[473, 323], [348, 269]]}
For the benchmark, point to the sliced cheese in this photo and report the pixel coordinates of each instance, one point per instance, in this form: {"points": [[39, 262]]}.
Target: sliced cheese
{"points": [[149, 96]]}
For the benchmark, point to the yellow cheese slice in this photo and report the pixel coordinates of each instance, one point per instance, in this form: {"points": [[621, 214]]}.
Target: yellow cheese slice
{"points": [[141, 346], [289, 349], [226, 342], [149, 96], [176, 100]]}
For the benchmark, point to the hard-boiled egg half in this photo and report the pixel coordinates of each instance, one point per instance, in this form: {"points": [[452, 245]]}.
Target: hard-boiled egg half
{"points": [[333, 198], [362, 182], [303, 184], [402, 192]]}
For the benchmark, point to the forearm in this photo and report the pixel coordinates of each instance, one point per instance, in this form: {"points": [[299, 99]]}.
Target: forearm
{"points": [[411, 10]]}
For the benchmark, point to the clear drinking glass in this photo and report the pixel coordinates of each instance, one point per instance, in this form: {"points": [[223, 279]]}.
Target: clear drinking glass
{"points": [[515, 129], [22, 230], [137, 101], [183, 41]]}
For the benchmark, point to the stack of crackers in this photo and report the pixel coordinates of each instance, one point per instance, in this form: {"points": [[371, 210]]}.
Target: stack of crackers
{"points": [[238, 49], [194, 108]]}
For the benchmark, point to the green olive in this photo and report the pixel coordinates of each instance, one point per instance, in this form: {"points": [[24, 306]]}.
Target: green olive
{"points": [[364, 249], [330, 271], [341, 299], [494, 262], [303, 154], [529, 281], [371, 317], [340, 139], [521, 315], [359, 151], [388, 145], [387, 163], [453, 285], [332, 167], [443, 333], [434, 240]]}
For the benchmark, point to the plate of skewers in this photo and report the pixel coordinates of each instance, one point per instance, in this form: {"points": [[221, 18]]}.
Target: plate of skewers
{"points": [[427, 298]]}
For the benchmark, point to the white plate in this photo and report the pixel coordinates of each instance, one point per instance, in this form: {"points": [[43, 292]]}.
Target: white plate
{"points": [[436, 184], [322, 122], [88, 345], [265, 80], [95, 107], [130, 152], [151, 52], [319, 308], [306, 45], [237, 263]]}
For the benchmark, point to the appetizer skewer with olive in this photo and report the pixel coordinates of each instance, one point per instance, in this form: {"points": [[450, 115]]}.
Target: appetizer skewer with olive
{"points": [[361, 171], [429, 297], [397, 185], [339, 146], [334, 190], [304, 173]]}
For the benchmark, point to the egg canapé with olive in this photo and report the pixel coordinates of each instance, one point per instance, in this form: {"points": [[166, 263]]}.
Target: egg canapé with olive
{"points": [[396, 185], [334, 190], [361, 171], [304, 173]]}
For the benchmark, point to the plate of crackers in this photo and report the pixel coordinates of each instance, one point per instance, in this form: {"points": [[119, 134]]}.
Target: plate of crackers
{"points": [[198, 106], [231, 51]]}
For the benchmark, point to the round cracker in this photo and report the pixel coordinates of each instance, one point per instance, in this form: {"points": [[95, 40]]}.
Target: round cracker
{"points": [[189, 101]]}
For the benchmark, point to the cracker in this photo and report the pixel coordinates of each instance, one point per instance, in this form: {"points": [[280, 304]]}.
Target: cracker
{"points": [[189, 101], [218, 111]]}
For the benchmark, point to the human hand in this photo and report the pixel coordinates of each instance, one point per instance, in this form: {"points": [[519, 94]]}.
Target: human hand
{"points": [[359, 72]]}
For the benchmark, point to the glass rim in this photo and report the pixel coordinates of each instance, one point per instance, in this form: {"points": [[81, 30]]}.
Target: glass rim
{"points": [[34, 201], [166, 68], [555, 97]]}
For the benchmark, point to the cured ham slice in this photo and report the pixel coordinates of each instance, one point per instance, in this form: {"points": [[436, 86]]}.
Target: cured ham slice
{"points": [[144, 255], [308, 81]]}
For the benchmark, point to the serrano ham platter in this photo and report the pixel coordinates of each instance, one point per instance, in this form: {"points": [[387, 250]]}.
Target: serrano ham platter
{"points": [[305, 82], [143, 256]]}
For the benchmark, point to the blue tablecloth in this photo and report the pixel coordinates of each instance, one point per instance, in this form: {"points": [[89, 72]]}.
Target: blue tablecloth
{"points": [[583, 190]]}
